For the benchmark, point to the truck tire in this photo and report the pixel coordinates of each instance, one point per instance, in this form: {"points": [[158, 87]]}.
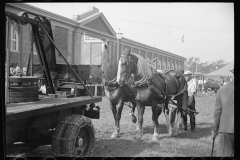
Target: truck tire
{"points": [[58, 134], [81, 137], [76, 137]]}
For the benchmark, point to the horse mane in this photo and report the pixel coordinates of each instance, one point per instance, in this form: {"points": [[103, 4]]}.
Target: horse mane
{"points": [[144, 69]]}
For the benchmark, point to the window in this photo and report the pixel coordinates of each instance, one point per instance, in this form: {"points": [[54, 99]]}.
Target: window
{"points": [[14, 39]]}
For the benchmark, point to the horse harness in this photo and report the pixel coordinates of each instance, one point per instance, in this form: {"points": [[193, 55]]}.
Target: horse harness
{"points": [[147, 81], [113, 85]]}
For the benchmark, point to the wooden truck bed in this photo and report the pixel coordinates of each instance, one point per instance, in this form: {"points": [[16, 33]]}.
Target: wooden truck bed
{"points": [[45, 105]]}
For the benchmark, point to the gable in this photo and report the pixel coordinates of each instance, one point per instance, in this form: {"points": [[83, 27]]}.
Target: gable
{"points": [[99, 25]]}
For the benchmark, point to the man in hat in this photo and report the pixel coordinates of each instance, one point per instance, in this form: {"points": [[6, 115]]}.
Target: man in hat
{"points": [[192, 90], [24, 71], [224, 120]]}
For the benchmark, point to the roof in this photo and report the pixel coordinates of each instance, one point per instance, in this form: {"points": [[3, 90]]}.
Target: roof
{"points": [[95, 20], [222, 72]]}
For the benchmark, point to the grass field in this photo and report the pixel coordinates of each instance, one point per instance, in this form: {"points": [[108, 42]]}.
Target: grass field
{"points": [[186, 144]]}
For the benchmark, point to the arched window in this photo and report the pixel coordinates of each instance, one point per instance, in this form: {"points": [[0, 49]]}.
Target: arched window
{"points": [[14, 39]]}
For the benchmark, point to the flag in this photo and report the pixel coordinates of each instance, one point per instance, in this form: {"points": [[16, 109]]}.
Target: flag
{"points": [[183, 38]]}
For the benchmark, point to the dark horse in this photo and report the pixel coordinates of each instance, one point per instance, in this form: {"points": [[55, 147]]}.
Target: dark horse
{"points": [[157, 91], [213, 86], [117, 96]]}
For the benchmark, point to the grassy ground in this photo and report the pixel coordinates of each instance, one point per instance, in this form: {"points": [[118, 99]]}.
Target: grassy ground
{"points": [[197, 143], [186, 144]]}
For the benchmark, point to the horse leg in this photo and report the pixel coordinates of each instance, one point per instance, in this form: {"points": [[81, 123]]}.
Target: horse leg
{"points": [[117, 111], [156, 111], [166, 113], [193, 118], [134, 118], [185, 107], [172, 117], [139, 129]]}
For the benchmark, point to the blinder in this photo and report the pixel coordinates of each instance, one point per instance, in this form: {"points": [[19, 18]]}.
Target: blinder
{"points": [[128, 62]]}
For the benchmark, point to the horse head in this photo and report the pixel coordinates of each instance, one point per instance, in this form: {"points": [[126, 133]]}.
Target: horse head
{"points": [[126, 66]]}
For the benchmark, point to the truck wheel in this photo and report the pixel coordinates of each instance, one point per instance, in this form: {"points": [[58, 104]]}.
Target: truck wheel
{"points": [[58, 134], [79, 137]]}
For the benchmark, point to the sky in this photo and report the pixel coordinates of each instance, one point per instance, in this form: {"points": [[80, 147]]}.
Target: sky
{"points": [[207, 29]]}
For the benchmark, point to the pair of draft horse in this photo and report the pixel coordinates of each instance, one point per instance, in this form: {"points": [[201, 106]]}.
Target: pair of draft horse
{"points": [[137, 82]]}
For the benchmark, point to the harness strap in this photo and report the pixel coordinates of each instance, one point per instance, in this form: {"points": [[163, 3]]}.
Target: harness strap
{"points": [[180, 108], [149, 85], [181, 92], [130, 90], [113, 84]]}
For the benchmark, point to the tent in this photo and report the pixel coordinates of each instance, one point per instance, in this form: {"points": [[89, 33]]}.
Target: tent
{"points": [[222, 72], [198, 74]]}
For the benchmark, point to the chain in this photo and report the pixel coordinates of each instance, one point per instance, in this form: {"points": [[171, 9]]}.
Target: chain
{"points": [[72, 138]]}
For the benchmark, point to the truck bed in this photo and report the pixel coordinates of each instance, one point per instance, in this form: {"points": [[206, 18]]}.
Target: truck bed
{"points": [[16, 111]]}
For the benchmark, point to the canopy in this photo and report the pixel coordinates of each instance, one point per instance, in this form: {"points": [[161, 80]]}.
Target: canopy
{"points": [[198, 74], [222, 72]]}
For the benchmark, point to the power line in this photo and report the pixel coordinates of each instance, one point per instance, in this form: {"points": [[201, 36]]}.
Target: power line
{"points": [[180, 39], [181, 27]]}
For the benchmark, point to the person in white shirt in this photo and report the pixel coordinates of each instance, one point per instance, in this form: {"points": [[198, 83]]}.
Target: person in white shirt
{"points": [[192, 90]]}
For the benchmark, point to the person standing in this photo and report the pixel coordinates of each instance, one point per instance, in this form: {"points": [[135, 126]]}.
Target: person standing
{"points": [[224, 120], [192, 90], [200, 82]]}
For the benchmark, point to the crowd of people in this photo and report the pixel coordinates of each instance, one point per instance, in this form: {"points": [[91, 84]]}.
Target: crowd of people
{"points": [[200, 81], [16, 71]]}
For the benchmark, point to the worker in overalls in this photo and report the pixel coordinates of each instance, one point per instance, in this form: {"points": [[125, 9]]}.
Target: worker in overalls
{"points": [[192, 90]]}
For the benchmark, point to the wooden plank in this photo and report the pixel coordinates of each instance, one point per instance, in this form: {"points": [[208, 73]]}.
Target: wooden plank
{"points": [[46, 105], [23, 79], [23, 99], [31, 89], [23, 94]]}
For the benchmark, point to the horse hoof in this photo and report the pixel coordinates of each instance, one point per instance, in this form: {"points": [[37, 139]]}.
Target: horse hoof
{"points": [[134, 119], [114, 135]]}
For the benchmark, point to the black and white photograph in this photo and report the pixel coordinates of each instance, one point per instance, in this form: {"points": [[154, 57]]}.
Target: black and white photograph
{"points": [[119, 79]]}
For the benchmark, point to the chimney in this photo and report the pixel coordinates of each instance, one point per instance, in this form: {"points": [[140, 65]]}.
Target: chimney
{"points": [[74, 17], [92, 10]]}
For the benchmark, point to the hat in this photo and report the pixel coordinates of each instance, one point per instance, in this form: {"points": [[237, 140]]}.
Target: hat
{"points": [[187, 72]]}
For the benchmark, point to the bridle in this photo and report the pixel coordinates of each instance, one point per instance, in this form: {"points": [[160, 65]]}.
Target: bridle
{"points": [[128, 63]]}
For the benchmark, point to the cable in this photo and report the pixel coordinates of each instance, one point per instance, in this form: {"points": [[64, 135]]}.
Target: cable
{"points": [[169, 26], [170, 39]]}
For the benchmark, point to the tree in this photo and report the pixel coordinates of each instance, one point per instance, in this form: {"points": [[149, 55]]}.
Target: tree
{"points": [[194, 64], [219, 63]]}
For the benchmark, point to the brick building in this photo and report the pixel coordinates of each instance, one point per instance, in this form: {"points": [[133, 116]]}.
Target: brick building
{"points": [[86, 39]]}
